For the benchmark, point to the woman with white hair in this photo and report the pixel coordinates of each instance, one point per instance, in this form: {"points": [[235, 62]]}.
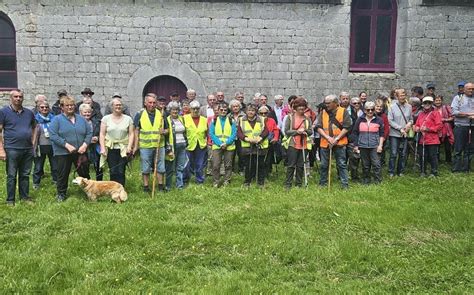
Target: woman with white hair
{"points": [[116, 141], [235, 114], [93, 149], [273, 138], [176, 158], [368, 137], [196, 134]]}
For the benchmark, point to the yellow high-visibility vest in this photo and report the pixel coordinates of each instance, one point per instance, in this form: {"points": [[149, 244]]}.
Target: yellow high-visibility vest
{"points": [[253, 132], [195, 134], [150, 133]]}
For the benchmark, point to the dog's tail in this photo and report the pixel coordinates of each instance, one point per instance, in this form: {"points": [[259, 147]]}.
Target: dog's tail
{"points": [[123, 196]]}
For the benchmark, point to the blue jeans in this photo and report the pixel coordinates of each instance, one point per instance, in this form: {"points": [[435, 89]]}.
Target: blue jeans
{"points": [[19, 162], [198, 163], [38, 171], [340, 154], [147, 160], [398, 147], [176, 166]]}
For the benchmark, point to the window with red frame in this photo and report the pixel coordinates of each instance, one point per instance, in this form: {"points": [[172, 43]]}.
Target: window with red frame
{"points": [[373, 29], [8, 75]]}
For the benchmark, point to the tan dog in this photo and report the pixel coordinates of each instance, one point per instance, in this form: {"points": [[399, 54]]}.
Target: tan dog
{"points": [[95, 189]]}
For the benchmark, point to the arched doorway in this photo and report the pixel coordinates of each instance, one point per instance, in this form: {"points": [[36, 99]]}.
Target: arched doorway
{"points": [[164, 86], [8, 70]]}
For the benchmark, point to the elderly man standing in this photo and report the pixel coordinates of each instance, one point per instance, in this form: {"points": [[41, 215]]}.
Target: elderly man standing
{"points": [[208, 110], [191, 95], [87, 94], [149, 128], [463, 111], [278, 110], [332, 124], [17, 131], [239, 95], [344, 99], [401, 121], [220, 96]]}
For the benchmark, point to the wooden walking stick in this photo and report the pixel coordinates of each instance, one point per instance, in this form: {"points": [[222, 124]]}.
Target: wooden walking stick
{"points": [[155, 169], [157, 154], [329, 172]]}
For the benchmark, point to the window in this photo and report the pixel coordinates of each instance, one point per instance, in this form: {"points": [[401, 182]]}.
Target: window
{"points": [[373, 28], [8, 77]]}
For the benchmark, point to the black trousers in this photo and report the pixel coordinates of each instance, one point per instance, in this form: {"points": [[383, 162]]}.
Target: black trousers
{"points": [[117, 166], [295, 162], [251, 168], [429, 155], [65, 163]]}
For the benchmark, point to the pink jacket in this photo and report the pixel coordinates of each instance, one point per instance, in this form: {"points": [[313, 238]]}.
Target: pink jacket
{"points": [[432, 120]]}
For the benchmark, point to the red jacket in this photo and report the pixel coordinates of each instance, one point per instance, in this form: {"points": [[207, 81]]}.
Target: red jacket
{"points": [[272, 128], [386, 125], [432, 120]]}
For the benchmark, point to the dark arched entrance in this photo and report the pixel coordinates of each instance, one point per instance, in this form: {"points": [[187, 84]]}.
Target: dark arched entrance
{"points": [[164, 86], [8, 70]]}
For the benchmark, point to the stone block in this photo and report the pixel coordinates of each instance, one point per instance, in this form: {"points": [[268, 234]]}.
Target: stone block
{"points": [[102, 67], [87, 67], [141, 22], [237, 23]]}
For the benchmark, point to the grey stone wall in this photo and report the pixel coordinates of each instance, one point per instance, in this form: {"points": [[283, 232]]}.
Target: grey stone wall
{"points": [[255, 47]]}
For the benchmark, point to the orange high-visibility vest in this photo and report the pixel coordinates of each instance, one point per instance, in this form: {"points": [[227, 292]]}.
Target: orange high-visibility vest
{"points": [[335, 130]]}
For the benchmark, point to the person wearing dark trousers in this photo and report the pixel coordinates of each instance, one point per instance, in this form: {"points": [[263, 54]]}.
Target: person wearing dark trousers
{"points": [[93, 150], [446, 135], [298, 128], [17, 132], [368, 137], [273, 138], [70, 136], [463, 111], [429, 125], [253, 135], [43, 146], [196, 134], [116, 141]]}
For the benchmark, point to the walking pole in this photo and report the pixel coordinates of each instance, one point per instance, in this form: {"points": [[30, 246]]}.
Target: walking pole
{"points": [[275, 161], [155, 171], [330, 164], [256, 174], [304, 163], [417, 134], [423, 157]]}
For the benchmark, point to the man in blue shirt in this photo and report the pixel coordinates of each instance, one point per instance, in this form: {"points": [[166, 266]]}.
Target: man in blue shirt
{"points": [[17, 128]]}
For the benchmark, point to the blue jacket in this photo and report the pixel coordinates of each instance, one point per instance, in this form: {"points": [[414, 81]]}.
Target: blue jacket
{"points": [[63, 131], [212, 131], [365, 135]]}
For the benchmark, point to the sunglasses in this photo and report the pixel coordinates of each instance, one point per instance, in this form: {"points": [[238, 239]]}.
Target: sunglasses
{"points": [[370, 110], [44, 107], [263, 113]]}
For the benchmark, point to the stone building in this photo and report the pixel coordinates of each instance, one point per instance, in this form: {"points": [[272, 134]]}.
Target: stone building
{"points": [[308, 47]]}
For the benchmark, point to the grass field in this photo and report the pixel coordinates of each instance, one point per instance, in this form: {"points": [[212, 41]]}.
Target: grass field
{"points": [[408, 235]]}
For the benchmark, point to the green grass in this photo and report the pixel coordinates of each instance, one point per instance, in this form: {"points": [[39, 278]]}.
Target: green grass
{"points": [[408, 235]]}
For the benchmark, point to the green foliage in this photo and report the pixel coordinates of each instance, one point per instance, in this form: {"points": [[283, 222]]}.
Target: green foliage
{"points": [[408, 235]]}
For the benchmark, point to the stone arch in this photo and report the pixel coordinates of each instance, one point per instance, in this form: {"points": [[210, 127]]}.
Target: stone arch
{"points": [[162, 67]]}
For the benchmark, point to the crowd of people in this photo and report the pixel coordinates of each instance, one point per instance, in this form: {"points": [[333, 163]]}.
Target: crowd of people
{"points": [[180, 139]]}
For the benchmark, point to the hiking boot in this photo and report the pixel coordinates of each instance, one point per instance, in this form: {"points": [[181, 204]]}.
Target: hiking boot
{"points": [[146, 189], [60, 198], [11, 203], [28, 201], [36, 186]]}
